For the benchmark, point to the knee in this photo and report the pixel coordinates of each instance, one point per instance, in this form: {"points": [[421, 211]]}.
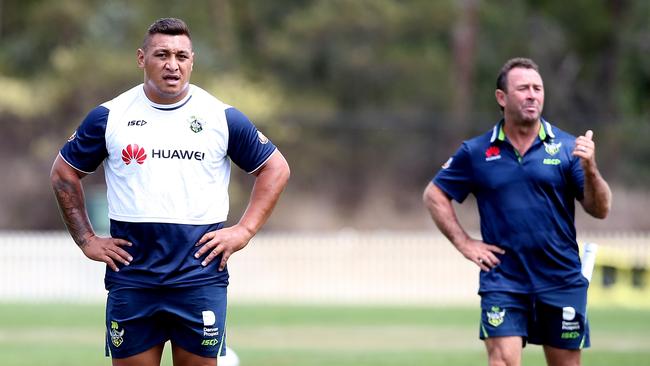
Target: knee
{"points": [[503, 356], [502, 359]]}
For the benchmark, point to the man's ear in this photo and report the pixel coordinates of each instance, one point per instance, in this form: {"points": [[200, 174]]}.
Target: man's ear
{"points": [[500, 95], [140, 56]]}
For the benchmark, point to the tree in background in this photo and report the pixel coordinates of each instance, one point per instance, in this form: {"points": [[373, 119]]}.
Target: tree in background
{"points": [[364, 96]]}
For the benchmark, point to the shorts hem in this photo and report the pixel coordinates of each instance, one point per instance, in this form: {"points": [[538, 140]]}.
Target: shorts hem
{"points": [[562, 346], [482, 337], [133, 352], [201, 353]]}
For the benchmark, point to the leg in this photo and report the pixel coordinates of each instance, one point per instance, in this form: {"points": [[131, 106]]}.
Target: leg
{"points": [[150, 357], [504, 351], [199, 321], [184, 358], [135, 334], [563, 325], [504, 326], [561, 357]]}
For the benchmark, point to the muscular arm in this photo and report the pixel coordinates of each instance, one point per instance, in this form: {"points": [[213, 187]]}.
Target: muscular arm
{"points": [[443, 214], [66, 183], [270, 181]]}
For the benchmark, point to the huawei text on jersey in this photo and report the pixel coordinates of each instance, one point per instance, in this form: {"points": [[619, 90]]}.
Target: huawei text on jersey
{"points": [[134, 152]]}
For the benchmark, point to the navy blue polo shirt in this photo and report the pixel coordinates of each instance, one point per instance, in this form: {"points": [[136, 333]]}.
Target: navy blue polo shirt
{"points": [[526, 206]]}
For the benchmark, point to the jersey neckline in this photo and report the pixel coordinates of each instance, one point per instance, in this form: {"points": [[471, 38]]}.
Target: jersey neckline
{"points": [[168, 107]]}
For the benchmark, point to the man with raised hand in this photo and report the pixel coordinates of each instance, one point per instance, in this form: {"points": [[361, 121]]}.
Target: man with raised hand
{"points": [[526, 175]]}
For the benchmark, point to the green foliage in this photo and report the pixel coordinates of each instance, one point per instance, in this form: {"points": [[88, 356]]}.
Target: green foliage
{"points": [[365, 53], [368, 89]]}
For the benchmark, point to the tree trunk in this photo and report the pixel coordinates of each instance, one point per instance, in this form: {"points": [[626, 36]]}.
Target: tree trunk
{"points": [[464, 49]]}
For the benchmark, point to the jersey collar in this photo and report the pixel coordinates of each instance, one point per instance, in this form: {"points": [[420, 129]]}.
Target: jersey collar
{"points": [[499, 134], [169, 107]]}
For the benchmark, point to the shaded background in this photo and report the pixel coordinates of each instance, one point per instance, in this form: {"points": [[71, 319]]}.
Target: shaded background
{"points": [[365, 98]]}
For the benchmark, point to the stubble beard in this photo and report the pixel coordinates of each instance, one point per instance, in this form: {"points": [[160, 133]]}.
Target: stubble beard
{"points": [[168, 95], [522, 118]]}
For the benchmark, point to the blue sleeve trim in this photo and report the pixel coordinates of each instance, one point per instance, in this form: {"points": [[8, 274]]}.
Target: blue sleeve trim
{"points": [[86, 149], [247, 147]]}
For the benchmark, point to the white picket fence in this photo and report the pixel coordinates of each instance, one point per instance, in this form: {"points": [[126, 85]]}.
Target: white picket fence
{"points": [[321, 268]]}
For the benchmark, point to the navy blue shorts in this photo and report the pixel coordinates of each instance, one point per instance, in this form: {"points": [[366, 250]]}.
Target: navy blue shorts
{"points": [[556, 318], [192, 318]]}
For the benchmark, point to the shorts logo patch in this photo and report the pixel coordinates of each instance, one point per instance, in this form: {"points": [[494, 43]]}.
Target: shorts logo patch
{"points": [[209, 318], [570, 335], [116, 334], [570, 325], [209, 342], [568, 313], [496, 316]]}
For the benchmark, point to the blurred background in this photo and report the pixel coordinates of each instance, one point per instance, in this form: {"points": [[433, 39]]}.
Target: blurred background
{"points": [[366, 99]]}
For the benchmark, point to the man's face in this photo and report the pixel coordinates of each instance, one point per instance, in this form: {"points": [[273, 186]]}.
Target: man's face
{"points": [[524, 99], [167, 64]]}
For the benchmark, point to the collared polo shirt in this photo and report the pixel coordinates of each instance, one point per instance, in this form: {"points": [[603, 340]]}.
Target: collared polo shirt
{"points": [[526, 206]]}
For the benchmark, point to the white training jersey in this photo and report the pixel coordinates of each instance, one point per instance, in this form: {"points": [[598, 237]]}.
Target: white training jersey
{"points": [[164, 163], [166, 166]]}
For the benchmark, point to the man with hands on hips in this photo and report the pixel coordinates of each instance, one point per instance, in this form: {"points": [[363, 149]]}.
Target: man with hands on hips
{"points": [[166, 146]]}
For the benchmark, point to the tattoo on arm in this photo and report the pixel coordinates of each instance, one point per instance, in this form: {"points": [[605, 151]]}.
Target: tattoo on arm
{"points": [[70, 197]]}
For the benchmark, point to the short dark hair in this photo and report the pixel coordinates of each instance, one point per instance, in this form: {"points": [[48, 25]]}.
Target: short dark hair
{"points": [[502, 78], [171, 26]]}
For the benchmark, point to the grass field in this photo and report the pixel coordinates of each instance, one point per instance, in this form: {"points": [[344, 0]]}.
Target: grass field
{"points": [[71, 335]]}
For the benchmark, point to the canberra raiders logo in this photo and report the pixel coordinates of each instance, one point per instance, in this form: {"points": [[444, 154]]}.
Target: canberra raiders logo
{"points": [[196, 125], [496, 316], [116, 334], [552, 148]]}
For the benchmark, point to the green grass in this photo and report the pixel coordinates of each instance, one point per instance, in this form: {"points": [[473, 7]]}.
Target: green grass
{"points": [[72, 334]]}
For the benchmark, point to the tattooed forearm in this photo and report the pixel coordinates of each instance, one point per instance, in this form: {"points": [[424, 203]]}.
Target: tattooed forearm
{"points": [[69, 195]]}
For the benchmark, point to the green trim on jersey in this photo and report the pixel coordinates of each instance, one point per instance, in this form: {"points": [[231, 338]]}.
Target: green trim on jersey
{"points": [[502, 137], [542, 132]]}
